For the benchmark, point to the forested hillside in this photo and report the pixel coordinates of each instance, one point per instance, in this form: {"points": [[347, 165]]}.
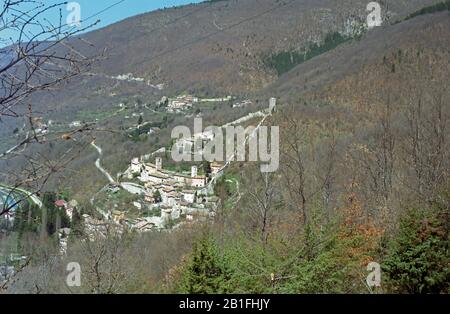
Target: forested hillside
{"points": [[364, 153]]}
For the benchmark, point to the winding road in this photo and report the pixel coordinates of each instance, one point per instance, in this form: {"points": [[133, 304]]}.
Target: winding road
{"points": [[132, 188], [99, 166]]}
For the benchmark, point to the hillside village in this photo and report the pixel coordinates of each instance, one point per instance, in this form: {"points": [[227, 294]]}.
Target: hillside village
{"points": [[161, 199], [173, 198], [182, 103], [138, 154], [165, 198], [175, 194]]}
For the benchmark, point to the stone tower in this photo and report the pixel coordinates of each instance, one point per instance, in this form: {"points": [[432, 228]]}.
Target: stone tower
{"points": [[272, 105], [194, 171]]}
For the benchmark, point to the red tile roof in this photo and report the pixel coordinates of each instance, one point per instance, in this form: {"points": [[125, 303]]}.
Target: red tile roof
{"points": [[60, 203]]}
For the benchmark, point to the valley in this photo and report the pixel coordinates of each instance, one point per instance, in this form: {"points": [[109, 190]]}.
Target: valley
{"points": [[232, 147]]}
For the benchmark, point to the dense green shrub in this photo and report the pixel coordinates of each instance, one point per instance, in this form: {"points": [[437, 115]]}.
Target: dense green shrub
{"points": [[418, 259], [205, 271], [442, 6], [284, 61]]}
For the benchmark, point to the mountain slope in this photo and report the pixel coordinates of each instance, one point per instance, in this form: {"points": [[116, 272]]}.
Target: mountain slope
{"points": [[428, 33], [215, 49]]}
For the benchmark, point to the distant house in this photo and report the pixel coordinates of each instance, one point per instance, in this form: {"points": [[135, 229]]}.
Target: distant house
{"points": [[190, 98], [68, 207], [6, 272], [177, 105], [63, 234], [135, 165], [242, 104], [144, 226], [157, 178], [196, 180], [118, 216], [69, 212], [180, 178], [189, 195], [60, 203], [199, 181], [75, 124], [166, 213]]}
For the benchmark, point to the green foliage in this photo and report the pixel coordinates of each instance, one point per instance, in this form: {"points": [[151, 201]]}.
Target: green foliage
{"points": [[154, 212], [284, 61], [207, 168], [323, 274], [205, 271], [77, 228], [442, 6], [224, 187], [144, 128], [29, 217], [313, 262], [418, 259], [55, 217], [320, 258], [157, 196]]}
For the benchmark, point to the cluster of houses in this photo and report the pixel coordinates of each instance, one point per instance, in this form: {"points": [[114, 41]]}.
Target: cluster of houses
{"points": [[63, 233], [181, 103], [129, 78], [175, 194], [40, 127], [69, 207], [221, 99], [242, 104], [184, 102]]}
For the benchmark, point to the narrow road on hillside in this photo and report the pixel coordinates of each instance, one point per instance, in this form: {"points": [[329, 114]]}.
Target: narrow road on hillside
{"points": [[99, 166], [252, 134], [264, 114]]}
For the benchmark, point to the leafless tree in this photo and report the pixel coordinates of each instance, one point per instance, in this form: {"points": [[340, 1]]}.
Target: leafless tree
{"points": [[260, 200], [36, 55], [39, 55], [305, 172], [426, 146], [374, 158], [103, 261]]}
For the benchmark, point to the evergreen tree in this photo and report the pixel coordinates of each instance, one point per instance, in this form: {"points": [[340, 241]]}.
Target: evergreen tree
{"points": [[56, 217], [77, 223], [207, 168], [418, 258], [157, 196], [205, 271]]}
